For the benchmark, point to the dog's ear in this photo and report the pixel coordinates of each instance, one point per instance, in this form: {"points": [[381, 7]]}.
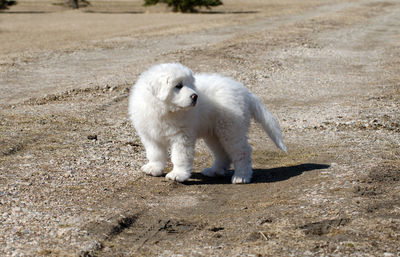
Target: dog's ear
{"points": [[160, 87]]}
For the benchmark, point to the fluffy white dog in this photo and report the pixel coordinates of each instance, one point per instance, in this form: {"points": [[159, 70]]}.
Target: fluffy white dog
{"points": [[171, 107]]}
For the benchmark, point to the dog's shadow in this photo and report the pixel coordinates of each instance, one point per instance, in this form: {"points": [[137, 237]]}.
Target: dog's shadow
{"points": [[260, 175]]}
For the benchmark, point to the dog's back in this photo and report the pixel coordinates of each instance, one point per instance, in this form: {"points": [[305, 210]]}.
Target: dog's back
{"points": [[228, 102], [222, 101]]}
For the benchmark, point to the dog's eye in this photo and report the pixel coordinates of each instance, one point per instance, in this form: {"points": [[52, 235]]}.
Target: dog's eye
{"points": [[179, 86]]}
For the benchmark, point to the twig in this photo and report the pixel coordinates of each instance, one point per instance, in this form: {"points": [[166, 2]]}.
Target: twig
{"points": [[263, 235]]}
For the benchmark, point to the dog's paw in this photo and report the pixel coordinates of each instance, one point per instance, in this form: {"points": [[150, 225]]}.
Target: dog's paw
{"points": [[178, 176], [236, 179], [153, 169], [210, 172]]}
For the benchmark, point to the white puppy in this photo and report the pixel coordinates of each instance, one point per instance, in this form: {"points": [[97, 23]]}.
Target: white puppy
{"points": [[171, 107]]}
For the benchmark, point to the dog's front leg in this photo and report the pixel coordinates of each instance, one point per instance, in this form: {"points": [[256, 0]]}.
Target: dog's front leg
{"points": [[182, 150], [156, 153]]}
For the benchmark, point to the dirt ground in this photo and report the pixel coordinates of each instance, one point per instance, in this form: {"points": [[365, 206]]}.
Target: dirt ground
{"points": [[69, 158]]}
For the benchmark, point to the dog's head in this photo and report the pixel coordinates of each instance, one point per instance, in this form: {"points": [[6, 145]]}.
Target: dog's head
{"points": [[173, 84]]}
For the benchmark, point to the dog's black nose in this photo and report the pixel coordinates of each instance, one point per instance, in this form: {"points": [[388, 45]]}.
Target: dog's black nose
{"points": [[194, 98]]}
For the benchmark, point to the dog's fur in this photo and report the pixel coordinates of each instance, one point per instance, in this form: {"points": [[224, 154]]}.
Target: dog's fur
{"points": [[171, 107]]}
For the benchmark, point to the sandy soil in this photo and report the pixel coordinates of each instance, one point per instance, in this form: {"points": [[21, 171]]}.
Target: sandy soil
{"points": [[69, 157]]}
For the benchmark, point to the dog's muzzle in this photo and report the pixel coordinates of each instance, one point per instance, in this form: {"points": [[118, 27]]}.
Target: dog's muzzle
{"points": [[194, 99]]}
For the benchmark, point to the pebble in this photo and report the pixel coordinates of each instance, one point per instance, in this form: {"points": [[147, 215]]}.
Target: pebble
{"points": [[68, 173], [92, 137], [388, 254]]}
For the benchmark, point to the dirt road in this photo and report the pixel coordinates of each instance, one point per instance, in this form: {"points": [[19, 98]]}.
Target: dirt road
{"points": [[69, 158]]}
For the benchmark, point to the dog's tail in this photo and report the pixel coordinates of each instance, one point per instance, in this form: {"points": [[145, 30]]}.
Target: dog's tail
{"points": [[262, 115]]}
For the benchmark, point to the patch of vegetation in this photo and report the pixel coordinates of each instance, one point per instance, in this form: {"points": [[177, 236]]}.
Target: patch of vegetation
{"points": [[185, 5], [4, 4], [75, 4]]}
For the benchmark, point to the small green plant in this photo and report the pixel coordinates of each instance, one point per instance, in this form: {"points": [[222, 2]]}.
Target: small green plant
{"points": [[185, 5]]}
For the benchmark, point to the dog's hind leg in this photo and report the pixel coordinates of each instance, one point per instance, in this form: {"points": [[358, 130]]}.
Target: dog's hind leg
{"points": [[222, 161], [232, 133], [239, 151], [241, 155]]}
